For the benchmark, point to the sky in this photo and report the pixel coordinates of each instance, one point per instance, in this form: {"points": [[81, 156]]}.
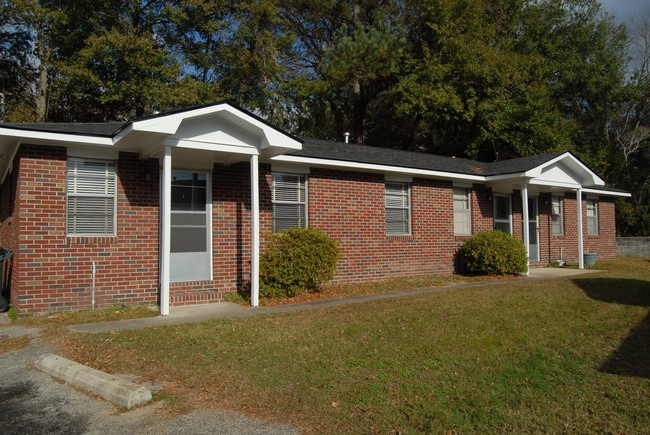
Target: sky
{"points": [[624, 10]]}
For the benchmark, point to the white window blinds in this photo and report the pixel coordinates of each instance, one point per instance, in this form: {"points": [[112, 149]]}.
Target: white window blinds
{"points": [[91, 187], [398, 208], [289, 201], [462, 212]]}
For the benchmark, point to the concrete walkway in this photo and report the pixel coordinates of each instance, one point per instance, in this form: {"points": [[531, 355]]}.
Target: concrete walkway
{"points": [[199, 313]]}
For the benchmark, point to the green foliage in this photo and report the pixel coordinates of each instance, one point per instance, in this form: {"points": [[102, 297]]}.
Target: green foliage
{"points": [[12, 313], [494, 253], [297, 260]]}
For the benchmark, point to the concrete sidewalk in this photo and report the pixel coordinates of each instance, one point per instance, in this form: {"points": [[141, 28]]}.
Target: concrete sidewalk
{"points": [[199, 313]]}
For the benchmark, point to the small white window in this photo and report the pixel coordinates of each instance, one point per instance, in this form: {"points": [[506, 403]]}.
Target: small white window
{"points": [[398, 208], [557, 215], [502, 213], [289, 201], [91, 193], [592, 217], [462, 212]]}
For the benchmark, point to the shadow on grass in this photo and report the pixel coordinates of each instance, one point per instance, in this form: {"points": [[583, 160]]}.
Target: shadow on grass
{"points": [[632, 358]]}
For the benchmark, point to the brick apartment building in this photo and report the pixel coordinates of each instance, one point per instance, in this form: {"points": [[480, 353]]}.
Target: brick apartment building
{"points": [[172, 209]]}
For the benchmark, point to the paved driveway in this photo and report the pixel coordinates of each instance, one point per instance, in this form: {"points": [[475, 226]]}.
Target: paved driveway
{"points": [[32, 402]]}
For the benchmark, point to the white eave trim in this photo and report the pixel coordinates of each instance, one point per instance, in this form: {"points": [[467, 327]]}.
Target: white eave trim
{"points": [[607, 193], [25, 136], [374, 167]]}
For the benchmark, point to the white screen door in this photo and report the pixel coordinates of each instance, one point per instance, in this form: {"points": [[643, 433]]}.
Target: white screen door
{"points": [[190, 227]]}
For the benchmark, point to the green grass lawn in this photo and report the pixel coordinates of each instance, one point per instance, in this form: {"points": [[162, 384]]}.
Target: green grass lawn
{"points": [[568, 355]]}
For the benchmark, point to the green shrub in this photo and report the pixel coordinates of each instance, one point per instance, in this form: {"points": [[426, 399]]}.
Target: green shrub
{"points": [[297, 260], [494, 253]]}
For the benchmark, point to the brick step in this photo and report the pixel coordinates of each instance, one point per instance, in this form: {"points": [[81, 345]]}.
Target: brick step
{"points": [[194, 297]]}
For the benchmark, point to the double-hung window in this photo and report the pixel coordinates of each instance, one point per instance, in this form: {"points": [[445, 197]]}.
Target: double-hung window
{"points": [[398, 208], [462, 212], [557, 216], [91, 196], [592, 217], [289, 201]]}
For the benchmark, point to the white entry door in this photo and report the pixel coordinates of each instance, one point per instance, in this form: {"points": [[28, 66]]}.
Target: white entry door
{"points": [[190, 227], [533, 230]]}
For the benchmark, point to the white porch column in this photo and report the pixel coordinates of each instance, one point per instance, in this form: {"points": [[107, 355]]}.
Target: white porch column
{"points": [[165, 233], [525, 219], [581, 249], [255, 230]]}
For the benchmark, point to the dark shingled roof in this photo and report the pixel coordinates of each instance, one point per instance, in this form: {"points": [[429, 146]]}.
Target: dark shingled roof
{"points": [[521, 164], [328, 150], [106, 129]]}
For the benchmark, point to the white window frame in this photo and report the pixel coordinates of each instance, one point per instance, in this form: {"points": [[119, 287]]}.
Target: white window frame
{"points": [[301, 202], [75, 190], [592, 221], [557, 215], [405, 196], [462, 211], [494, 212]]}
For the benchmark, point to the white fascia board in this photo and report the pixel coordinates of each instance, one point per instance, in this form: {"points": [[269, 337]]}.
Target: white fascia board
{"points": [[208, 146], [607, 193], [573, 164], [270, 136], [25, 136], [521, 175], [375, 168]]}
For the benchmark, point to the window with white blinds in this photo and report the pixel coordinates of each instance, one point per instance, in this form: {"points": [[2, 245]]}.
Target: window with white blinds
{"points": [[91, 187], [289, 201], [557, 215], [398, 209], [462, 212], [592, 217]]}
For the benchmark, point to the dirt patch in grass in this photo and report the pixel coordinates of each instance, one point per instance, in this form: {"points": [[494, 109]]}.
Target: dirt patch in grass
{"points": [[346, 290], [13, 343]]}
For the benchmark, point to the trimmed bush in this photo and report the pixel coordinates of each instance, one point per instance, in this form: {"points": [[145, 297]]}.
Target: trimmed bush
{"points": [[494, 253], [297, 260]]}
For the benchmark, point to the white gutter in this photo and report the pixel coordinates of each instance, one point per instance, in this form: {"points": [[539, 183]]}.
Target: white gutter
{"points": [[607, 193], [49, 137]]}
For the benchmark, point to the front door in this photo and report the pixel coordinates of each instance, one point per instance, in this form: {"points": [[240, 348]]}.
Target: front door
{"points": [[190, 227], [533, 230]]}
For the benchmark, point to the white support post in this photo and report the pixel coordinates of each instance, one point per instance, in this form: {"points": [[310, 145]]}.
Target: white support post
{"points": [[255, 230], [165, 233], [581, 249], [525, 219]]}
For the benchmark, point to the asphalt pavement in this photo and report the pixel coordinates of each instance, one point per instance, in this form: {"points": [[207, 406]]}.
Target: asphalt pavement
{"points": [[32, 402]]}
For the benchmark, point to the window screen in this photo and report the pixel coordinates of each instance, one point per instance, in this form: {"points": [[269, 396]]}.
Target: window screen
{"points": [[289, 201], [398, 208], [91, 187], [462, 212]]}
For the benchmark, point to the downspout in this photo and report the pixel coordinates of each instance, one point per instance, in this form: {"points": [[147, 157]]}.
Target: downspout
{"points": [[165, 233], [255, 231], [581, 260], [525, 219]]}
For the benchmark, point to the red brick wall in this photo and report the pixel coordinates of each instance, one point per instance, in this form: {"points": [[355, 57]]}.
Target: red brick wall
{"points": [[53, 272]]}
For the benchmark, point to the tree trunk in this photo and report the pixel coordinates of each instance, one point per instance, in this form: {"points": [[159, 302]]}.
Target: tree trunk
{"points": [[42, 89]]}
